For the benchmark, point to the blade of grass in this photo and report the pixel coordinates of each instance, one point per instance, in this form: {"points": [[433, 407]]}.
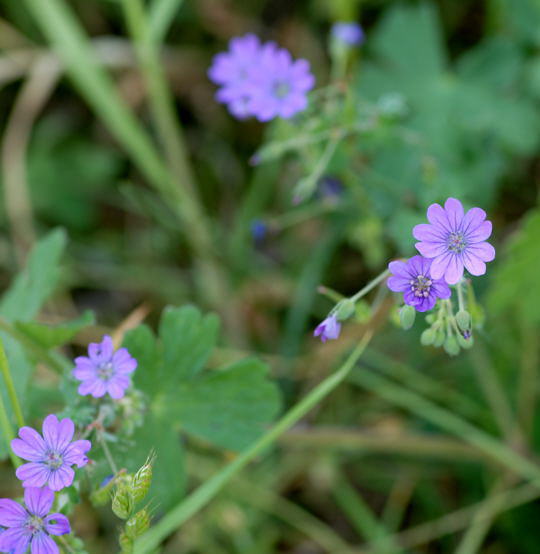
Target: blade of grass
{"points": [[161, 15], [448, 421], [204, 494]]}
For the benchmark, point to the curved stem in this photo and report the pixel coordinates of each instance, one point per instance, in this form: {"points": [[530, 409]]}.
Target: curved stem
{"points": [[7, 432], [204, 494], [12, 393], [371, 285]]}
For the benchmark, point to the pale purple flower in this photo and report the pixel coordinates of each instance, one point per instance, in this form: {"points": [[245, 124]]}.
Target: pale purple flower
{"points": [[104, 371], [414, 279], [32, 526], [260, 80], [348, 32], [279, 85], [50, 456], [454, 239], [328, 329]]}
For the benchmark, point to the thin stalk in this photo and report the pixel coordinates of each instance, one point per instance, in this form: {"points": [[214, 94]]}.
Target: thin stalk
{"points": [[450, 422], [371, 285], [206, 492], [10, 386], [161, 15], [7, 432], [107, 452]]}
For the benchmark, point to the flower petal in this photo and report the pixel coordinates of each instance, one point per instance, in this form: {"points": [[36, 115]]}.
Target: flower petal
{"points": [[32, 474], [399, 268], [38, 500], [431, 249], [35, 445], [57, 524], [437, 216], [428, 233], [441, 289], [454, 270], [482, 232], [473, 264], [58, 434], [75, 453], [61, 478], [426, 303], [12, 514], [472, 219], [43, 544], [454, 213], [482, 250], [397, 283], [439, 265], [14, 541]]}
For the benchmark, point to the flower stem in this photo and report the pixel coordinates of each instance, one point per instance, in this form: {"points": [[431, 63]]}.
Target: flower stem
{"points": [[7, 432], [107, 452], [206, 492], [10, 387], [371, 285]]}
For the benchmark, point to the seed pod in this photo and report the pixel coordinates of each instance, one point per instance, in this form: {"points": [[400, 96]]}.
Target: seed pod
{"points": [[122, 503], [142, 480], [407, 315], [465, 342], [345, 309], [427, 337], [463, 319], [126, 543], [138, 524], [451, 345]]}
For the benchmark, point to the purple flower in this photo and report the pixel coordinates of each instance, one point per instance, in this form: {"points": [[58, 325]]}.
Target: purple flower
{"points": [[104, 371], [50, 456], [279, 85], [328, 329], [260, 80], [349, 33], [33, 525], [413, 278], [454, 240]]}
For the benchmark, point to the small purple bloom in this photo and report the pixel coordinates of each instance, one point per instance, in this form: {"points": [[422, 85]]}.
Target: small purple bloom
{"points": [[280, 84], [454, 239], [328, 329], [104, 371], [32, 526], [260, 80], [413, 278], [259, 229], [50, 456], [349, 33]]}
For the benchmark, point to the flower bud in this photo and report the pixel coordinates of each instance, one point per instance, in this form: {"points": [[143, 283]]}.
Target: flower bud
{"points": [[345, 309], [142, 480], [138, 524], [407, 315], [451, 345], [122, 503], [465, 342], [101, 496], [439, 338], [427, 337], [126, 543], [463, 319]]}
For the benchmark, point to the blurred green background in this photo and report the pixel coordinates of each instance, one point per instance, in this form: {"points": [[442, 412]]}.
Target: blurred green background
{"points": [[441, 100]]}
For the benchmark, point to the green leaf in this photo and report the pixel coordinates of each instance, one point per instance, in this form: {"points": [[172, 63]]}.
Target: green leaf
{"points": [[37, 281], [516, 287], [230, 407], [52, 336]]}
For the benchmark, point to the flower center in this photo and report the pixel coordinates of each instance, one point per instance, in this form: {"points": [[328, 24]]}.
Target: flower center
{"points": [[53, 459], [456, 242], [34, 524], [281, 89], [105, 371], [421, 286]]}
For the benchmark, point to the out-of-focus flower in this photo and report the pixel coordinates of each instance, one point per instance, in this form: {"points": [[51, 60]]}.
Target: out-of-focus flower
{"points": [[260, 80], [50, 456], [32, 526], [348, 32], [104, 371], [414, 280], [455, 240], [259, 229], [328, 329]]}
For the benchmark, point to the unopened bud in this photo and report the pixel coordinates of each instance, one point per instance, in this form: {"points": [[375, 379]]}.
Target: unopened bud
{"points": [[122, 503], [439, 338], [463, 319], [427, 337], [345, 309], [451, 345], [142, 480], [465, 342], [138, 524], [407, 315]]}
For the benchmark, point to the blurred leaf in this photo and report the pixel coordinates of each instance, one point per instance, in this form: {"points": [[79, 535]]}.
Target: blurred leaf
{"points": [[52, 336], [515, 284]]}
